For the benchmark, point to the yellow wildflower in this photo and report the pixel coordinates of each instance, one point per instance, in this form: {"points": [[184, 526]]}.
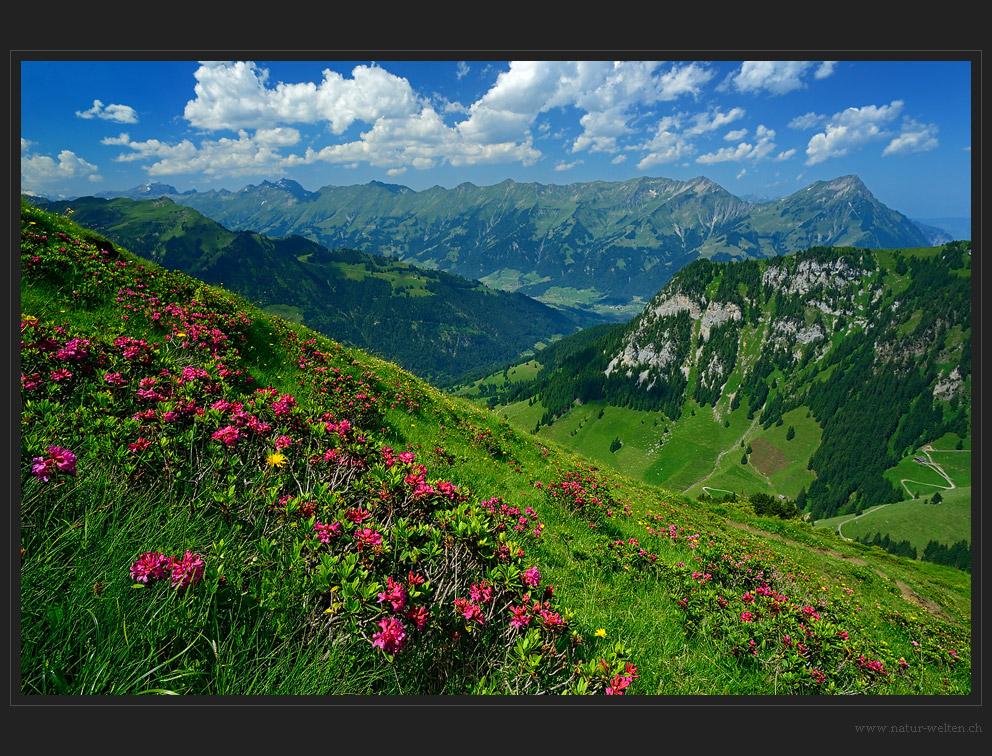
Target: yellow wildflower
{"points": [[276, 459], [601, 633]]}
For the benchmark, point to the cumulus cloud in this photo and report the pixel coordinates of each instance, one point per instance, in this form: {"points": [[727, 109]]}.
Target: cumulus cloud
{"points": [[218, 158], [851, 129], [667, 145], [610, 94], [123, 139], [674, 136], [825, 69], [712, 120], [563, 166], [759, 149], [462, 69], [915, 137], [733, 136], [117, 113], [39, 171], [237, 96], [281, 136], [778, 77], [808, 121]]}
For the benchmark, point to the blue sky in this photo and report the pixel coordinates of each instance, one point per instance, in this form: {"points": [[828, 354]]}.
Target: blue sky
{"points": [[758, 128]]}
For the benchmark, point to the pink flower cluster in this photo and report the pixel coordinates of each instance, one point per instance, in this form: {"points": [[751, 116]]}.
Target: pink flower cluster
{"points": [[620, 683], [870, 665], [532, 577], [228, 435], [183, 572], [58, 459], [326, 531], [395, 594], [391, 636], [471, 612], [482, 593], [283, 405], [368, 538]]}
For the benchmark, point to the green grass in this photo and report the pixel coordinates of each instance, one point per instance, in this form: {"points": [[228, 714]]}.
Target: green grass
{"points": [[286, 312], [916, 520]]}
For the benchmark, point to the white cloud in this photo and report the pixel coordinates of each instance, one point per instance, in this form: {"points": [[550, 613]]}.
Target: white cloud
{"points": [[785, 155], [742, 173], [119, 141], [807, 121], [666, 146], [825, 69], [915, 137], [760, 149], [712, 120], [778, 77], [217, 158], [118, 113], [851, 129], [563, 166], [610, 94], [37, 171], [733, 136], [618, 159], [673, 137], [462, 69], [237, 96], [26, 144], [281, 136]]}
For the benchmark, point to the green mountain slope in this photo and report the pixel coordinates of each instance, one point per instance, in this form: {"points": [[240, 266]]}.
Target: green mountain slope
{"points": [[809, 376], [438, 325], [214, 501], [611, 245]]}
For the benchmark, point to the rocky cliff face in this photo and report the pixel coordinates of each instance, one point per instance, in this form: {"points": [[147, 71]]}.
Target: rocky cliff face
{"points": [[791, 306]]}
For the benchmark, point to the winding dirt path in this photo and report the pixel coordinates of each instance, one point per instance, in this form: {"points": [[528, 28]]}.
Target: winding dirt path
{"points": [[721, 455], [936, 468], [855, 517]]}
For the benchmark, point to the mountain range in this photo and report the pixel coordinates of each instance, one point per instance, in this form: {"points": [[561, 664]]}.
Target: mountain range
{"points": [[607, 246]]}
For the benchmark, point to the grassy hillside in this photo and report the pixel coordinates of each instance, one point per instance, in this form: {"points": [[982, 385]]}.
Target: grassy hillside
{"points": [[250, 508]]}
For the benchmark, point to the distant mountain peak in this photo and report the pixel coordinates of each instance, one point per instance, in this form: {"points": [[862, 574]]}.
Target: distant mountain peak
{"points": [[394, 188], [150, 190], [846, 184]]}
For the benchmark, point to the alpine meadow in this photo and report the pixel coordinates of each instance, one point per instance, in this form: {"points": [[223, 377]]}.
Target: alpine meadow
{"points": [[672, 439]]}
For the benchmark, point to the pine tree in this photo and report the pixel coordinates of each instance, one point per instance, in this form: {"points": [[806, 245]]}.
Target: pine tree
{"points": [[790, 434]]}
